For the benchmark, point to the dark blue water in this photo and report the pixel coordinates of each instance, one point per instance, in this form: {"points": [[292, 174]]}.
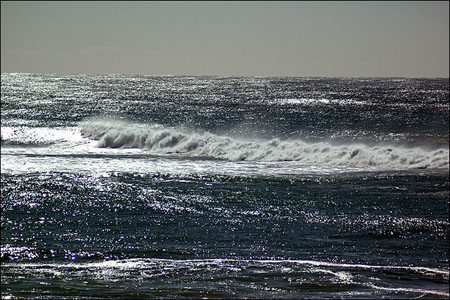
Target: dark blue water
{"points": [[188, 187]]}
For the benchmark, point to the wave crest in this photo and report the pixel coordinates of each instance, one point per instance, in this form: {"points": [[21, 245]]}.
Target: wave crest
{"points": [[162, 140]]}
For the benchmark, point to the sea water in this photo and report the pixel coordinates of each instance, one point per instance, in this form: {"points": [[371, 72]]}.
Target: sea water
{"points": [[229, 187]]}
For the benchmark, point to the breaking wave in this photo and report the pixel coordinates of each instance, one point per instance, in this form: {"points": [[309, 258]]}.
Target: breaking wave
{"points": [[163, 140]]}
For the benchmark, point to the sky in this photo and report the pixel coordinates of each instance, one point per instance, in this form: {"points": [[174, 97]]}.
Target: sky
{"points": [[227, 38]]}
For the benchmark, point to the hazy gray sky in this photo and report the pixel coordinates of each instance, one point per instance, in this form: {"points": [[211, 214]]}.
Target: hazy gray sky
{"points": [[227, 38]]}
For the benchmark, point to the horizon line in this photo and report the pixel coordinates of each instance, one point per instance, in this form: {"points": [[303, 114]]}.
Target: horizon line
{"points": [[215, 75]]}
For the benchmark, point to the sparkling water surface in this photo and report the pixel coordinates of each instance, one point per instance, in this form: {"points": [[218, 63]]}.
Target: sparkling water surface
{"points": [[250, 187]]}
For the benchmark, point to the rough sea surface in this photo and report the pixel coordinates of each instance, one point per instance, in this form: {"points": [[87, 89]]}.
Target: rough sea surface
{"points": [[125, 186]]}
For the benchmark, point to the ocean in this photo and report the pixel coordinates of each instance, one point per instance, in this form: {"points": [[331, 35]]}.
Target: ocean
{"points": [[131, 186]]}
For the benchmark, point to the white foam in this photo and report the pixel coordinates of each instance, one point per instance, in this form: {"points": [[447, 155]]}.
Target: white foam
{"points": [[140, 262], [343, 273], [39, 135], [157, 139], [409, 290], [316, 101]]}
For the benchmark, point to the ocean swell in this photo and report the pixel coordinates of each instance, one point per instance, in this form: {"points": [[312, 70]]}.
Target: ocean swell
{"points": [[158, 139]]}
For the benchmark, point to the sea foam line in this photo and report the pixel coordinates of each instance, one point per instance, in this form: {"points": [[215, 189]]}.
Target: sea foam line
{"points": [[135, 262], [106, 267], [410, 290]]}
